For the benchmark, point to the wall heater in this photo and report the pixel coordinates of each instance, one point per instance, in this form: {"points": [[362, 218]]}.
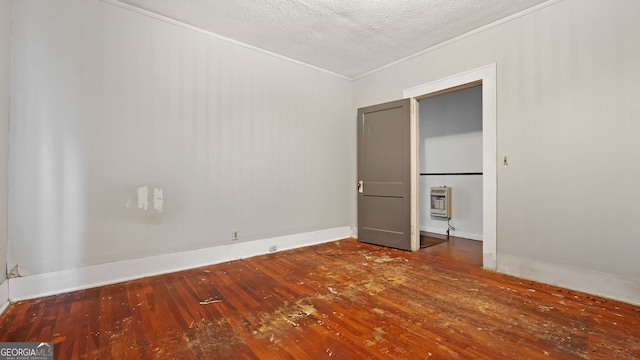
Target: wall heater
{"points": [[441, 202]]}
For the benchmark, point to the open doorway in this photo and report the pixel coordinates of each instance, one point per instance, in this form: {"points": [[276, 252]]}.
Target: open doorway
{"points": [[450, 143], [486, 77], [376, 124], [450, 185]]}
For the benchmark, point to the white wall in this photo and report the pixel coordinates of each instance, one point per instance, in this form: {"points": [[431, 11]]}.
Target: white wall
{"points": [[451, 142], [106, 101], [567, 120], [5, 75]]}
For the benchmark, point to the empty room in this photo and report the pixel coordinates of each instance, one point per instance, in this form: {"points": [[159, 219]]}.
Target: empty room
{"points": [[306, 179]]}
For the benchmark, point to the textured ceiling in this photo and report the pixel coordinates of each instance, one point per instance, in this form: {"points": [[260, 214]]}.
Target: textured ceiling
{"points": [[348, 37]]}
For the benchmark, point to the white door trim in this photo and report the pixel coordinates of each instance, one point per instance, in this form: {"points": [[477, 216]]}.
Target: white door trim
{"points": [[487, 74], [415, 175]]}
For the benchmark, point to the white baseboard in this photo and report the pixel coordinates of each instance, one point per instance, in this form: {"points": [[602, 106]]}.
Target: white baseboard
{"points": [[33, 286], [592, 282], [4, 296], [443, 231]]}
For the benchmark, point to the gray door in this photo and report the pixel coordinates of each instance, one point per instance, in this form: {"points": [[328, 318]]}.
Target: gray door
{"points": [[386, 183]]}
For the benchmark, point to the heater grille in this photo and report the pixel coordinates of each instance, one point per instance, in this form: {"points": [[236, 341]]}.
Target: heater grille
{"points": [[441, 202]]}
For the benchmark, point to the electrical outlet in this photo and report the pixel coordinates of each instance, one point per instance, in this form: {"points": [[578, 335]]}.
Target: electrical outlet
{"points": [[234, 234], [273, 248]]}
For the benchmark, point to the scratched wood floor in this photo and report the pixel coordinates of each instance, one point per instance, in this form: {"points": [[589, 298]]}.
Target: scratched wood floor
{"points": [[340, 300]]}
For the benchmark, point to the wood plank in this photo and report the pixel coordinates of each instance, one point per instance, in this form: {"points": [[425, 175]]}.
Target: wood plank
{"points": [[342, 300]]}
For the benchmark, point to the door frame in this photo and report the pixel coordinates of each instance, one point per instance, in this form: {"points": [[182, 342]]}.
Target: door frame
{"points": [[486, 75]]}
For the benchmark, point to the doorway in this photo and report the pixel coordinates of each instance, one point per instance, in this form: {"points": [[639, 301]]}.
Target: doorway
{"points": [[485, 76], [451, 159]]}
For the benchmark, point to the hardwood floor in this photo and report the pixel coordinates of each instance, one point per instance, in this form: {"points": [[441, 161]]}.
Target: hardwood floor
{"points": [[340, 300]]}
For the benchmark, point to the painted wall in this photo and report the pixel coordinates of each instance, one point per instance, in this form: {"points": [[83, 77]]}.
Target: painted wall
{"points": [[132, 137], [567, 120], [5, 85], [451, 142]]}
